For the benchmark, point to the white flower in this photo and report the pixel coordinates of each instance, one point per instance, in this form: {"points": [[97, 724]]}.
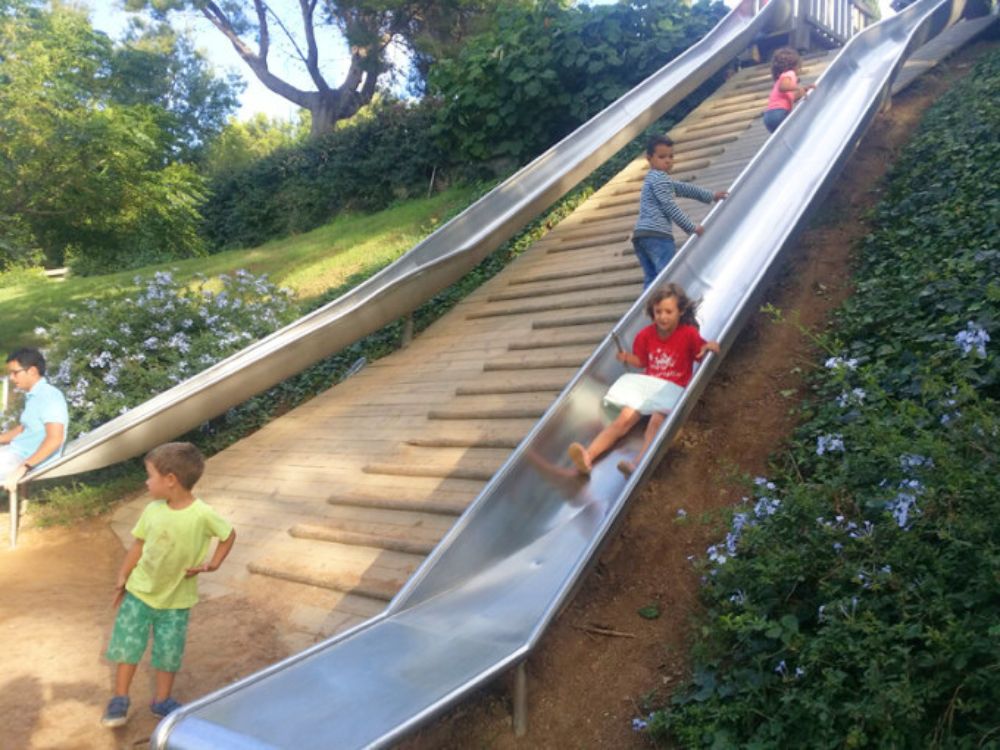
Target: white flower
{"points": [[829, 444], [973, 337]]}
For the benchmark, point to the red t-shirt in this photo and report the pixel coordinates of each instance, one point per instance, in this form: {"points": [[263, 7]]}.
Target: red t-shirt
{"points": [[671, 358]]}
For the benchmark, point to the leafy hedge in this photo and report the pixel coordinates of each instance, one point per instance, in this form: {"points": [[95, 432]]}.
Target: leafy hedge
{"points": [[854, 601], [382, 155], [513, 92]]}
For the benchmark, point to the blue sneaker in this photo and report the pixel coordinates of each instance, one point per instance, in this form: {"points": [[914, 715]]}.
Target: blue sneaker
{"points": [[116, 714], [165, 707]]}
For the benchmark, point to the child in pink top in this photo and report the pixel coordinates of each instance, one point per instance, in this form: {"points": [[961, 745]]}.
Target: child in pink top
{"points": [[785, 67], [667, 350]]}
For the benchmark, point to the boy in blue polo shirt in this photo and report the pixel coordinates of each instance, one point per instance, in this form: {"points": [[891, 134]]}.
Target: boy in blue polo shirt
{"points": [[41, 431]]}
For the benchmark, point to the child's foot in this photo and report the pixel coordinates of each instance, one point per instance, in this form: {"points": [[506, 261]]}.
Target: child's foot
{"points": [[578, 454], [116, 714], [626, 467], [165, 707]]}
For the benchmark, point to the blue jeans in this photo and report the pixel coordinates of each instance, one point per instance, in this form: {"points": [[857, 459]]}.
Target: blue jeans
{"points": [[654, 253], [774, 117]]}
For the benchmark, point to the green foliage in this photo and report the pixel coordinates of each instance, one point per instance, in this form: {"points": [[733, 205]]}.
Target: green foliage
{"points": [[116, 354], [243, 142], [542, 71], [853, 602], [158, 66], [84, 177], [383, 155]]}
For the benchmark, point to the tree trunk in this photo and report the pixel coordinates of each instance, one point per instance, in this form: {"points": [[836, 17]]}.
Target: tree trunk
{"points": [[331, 107]]}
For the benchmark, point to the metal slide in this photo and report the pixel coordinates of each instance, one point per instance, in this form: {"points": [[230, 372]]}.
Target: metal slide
{"points": [[483, 598], [432, 265]]}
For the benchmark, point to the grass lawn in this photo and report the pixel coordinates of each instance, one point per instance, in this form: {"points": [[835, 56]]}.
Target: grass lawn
{"points": [[309, 264]]}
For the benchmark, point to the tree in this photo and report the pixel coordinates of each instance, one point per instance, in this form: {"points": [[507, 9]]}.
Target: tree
{"points": [[243, 142], [83, 177], [156, 65], [368, 28]]}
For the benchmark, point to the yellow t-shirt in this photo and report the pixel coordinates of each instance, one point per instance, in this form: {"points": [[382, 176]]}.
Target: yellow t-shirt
{"points": [[173, 541]]}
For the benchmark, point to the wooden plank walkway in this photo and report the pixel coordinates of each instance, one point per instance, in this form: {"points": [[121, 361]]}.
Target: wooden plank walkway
{"points": [[337, 502]]}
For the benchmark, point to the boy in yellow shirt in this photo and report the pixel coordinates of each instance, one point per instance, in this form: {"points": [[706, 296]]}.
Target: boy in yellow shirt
{"points": [[157, 584]]}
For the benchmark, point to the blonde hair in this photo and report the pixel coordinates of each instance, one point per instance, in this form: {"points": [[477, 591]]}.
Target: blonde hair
{"points": [[183, 460]]}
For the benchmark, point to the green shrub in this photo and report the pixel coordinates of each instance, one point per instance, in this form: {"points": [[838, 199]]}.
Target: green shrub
{"points": [[544, 70], [117, 354], [380, 156], [854, 600]]}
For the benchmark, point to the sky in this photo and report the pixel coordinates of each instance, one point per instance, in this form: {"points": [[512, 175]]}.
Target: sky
{"points": [[108, 16]]}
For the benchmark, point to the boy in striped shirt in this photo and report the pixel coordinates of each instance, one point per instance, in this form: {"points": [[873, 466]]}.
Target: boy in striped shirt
{"points": [[653, 238]]}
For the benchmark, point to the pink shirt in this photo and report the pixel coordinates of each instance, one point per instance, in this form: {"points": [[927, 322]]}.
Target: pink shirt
{"points": [[783, 99]]}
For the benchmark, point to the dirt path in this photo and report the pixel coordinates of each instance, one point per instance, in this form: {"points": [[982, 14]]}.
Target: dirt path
{"points": [[55, 589]]}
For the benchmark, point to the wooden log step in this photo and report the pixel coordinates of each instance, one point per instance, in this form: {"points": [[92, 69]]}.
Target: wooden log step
{"points": [[574, 242], [543, 382], [497, 412], [628, 294], [375, 585], [445, 505], [588, 338], [721, 129], [714, 119], [467, 439], [480, 470], [415, 545], [580, 319], [605, 281], [751, 104], [703, 140], [579, 231], [540, 361], [573, 273]]}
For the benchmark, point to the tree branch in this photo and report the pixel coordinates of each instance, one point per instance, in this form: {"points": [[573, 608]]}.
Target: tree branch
{"points": [[312, 60], [257, 63]]}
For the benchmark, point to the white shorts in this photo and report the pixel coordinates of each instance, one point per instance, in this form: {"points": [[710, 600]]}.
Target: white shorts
{"points": [[644, 393], [10, 459]]}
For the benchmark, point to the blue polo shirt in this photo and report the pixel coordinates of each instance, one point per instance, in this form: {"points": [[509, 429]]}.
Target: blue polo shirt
{"points": [[44, 403]]}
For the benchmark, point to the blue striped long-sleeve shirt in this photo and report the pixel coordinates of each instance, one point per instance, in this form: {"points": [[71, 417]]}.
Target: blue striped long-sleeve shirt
{"points": [[657, 208]]}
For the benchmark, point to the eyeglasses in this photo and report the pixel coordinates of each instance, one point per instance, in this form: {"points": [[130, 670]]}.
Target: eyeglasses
{"points": [[12, 373]]}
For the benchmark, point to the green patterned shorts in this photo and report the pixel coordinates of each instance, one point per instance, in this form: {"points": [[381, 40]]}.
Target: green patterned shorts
{"points": [[131, 633]]}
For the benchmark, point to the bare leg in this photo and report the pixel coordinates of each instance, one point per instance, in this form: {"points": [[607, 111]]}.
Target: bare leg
{"points": [[164, 684], [584, 458], [655, 422], [123, 677]]}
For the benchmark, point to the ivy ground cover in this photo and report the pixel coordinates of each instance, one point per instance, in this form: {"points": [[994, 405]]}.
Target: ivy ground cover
{"points": [[855, 600]]}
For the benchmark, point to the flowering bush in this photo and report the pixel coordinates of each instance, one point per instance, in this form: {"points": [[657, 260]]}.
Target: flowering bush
{"points": [[853, 602], [117, 354]]}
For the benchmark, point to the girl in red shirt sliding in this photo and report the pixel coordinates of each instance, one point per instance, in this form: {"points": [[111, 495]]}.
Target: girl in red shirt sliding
{"points": [[667, 350]]}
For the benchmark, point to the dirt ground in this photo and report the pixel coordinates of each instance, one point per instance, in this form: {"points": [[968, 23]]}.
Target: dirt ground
{"points": [[584, 687]]}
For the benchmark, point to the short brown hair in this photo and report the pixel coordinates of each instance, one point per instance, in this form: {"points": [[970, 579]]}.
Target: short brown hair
{"points": [[183, 460], [687, 307], [784, 59]]}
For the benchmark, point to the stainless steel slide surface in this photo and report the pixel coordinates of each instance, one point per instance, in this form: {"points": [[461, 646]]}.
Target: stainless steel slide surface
{"points": [[441, 259], [483, 598]]}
